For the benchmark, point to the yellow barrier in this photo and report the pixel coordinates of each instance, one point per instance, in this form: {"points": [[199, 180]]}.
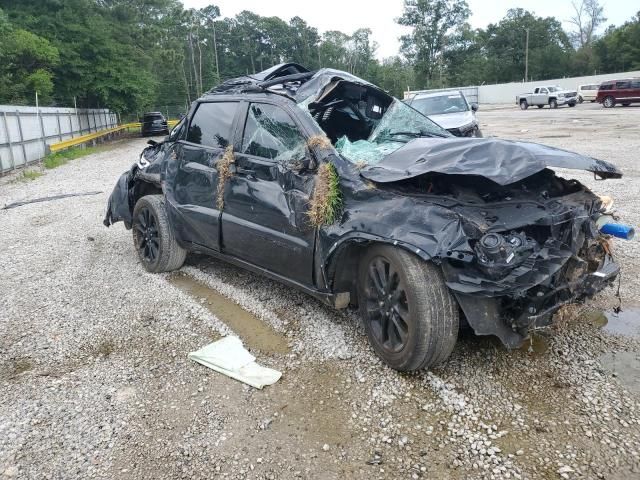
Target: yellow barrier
{"points": [[72, 142]]}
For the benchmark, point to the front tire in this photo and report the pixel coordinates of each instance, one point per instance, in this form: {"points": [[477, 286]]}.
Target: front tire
{"points": [[409, 314], [157, 247], [609, 102], [580, 99]]}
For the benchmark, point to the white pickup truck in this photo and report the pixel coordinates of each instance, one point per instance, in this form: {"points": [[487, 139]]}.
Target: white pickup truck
{"points": [[547, 95]]}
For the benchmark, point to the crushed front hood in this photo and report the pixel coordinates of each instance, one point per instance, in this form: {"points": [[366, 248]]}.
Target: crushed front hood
{"points": [[501, 161]]}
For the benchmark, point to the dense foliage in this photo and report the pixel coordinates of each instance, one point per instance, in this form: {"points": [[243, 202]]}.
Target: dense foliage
{"points": [[132, 55]]}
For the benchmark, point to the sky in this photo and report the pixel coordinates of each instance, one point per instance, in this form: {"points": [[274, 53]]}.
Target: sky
{"points": [[349, 15]]}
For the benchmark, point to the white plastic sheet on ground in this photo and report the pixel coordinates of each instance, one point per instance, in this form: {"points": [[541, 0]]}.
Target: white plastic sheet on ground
{"points": [[229, 357]]}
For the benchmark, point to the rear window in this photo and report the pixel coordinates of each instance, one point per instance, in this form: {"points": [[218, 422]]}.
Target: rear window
{"points": [[211, 124], [635, 83]]}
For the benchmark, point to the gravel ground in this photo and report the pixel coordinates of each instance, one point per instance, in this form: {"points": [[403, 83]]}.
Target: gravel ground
{"points": [[96, 383]]}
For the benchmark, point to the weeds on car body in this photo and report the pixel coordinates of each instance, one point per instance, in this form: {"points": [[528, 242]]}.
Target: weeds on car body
{"points": [[326, 201], [224, 173]]}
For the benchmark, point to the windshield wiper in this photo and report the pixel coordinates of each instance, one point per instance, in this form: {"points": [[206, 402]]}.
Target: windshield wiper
{"points": [[415, 134]]}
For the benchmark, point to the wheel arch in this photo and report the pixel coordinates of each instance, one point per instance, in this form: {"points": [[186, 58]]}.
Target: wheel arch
{"points": [[343, 258], [139, 188]]}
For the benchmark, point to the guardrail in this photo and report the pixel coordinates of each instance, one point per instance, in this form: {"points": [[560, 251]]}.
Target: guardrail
{"points": [[56, 147]]}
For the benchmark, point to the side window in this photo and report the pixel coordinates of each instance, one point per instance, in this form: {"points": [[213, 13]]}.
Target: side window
{"points": [[635, 84], [177, 132], [211, 124], [543, 90], [621, 85], [271, 133], [537, 90]]}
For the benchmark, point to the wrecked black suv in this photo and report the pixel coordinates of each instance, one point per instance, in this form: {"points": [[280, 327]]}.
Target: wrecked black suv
{"points": [[326, 183]]}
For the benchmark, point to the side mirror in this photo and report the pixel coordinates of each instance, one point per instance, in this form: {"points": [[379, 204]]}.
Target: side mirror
{"points": [[474, 107], [153, 143]]}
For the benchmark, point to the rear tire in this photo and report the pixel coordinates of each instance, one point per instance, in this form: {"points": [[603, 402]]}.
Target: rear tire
{"points": [[157, 247], [553, 103], [409, 315], [523, 105], [609, 102]]}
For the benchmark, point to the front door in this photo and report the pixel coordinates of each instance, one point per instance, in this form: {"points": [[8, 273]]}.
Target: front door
{"points": [[264, 220], [191, 188]]}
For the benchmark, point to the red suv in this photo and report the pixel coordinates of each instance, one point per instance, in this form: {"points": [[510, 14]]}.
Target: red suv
{"points": [[625, 92]]}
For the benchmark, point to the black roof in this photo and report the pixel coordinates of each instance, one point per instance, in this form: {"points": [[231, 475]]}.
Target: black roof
{"points": [[291, 80]]}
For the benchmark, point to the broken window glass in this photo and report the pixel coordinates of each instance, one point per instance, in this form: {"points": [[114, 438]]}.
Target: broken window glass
{"points": [[271, 133], [399, 125]]}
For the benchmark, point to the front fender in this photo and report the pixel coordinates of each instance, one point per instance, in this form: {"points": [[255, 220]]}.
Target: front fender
{"points": [[119, 205]]}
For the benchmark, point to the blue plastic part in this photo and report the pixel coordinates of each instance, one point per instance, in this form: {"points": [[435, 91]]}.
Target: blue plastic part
{"points": [[619, 230]]}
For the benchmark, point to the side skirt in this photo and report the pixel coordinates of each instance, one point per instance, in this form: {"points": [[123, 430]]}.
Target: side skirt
{"points": [[325, 297]]}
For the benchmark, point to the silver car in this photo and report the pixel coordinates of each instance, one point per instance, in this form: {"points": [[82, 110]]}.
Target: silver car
{"points": [[450, 110]]}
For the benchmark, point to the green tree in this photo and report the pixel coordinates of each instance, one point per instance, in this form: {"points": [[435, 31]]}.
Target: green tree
{"points": [[618, 49], [504, 44], [26, 62], [433, 22]]}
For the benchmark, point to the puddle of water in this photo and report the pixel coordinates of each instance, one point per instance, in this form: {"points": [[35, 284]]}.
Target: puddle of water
{"points": [[625, 322], [625, 366], [536, 344], [254, 333]]}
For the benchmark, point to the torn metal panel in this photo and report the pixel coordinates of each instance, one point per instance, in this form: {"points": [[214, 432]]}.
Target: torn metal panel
{"points": [[502, 161]]}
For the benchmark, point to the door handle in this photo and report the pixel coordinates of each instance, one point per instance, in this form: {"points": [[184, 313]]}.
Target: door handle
{"points": [[245, 171]]}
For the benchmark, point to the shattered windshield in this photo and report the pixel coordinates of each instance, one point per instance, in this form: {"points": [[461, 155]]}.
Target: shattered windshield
{"points": [[364, 123], [399, 125], [441, 104]]}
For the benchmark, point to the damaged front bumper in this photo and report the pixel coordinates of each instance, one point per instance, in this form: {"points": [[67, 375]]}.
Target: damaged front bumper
{"points": [[510, 317]]}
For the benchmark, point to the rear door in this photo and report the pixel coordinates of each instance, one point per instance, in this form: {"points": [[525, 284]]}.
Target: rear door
{"points": [[635, 89], [264, 220], [192, 173], [624, 93]]}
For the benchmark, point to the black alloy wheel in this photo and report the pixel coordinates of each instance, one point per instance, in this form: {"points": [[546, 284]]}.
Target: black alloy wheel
{"points": [[148, 243], [409, 315], [387, 306], [153, 238]]}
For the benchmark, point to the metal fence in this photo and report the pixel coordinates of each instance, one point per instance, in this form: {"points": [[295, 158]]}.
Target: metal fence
{"points": [[25, 132]]}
